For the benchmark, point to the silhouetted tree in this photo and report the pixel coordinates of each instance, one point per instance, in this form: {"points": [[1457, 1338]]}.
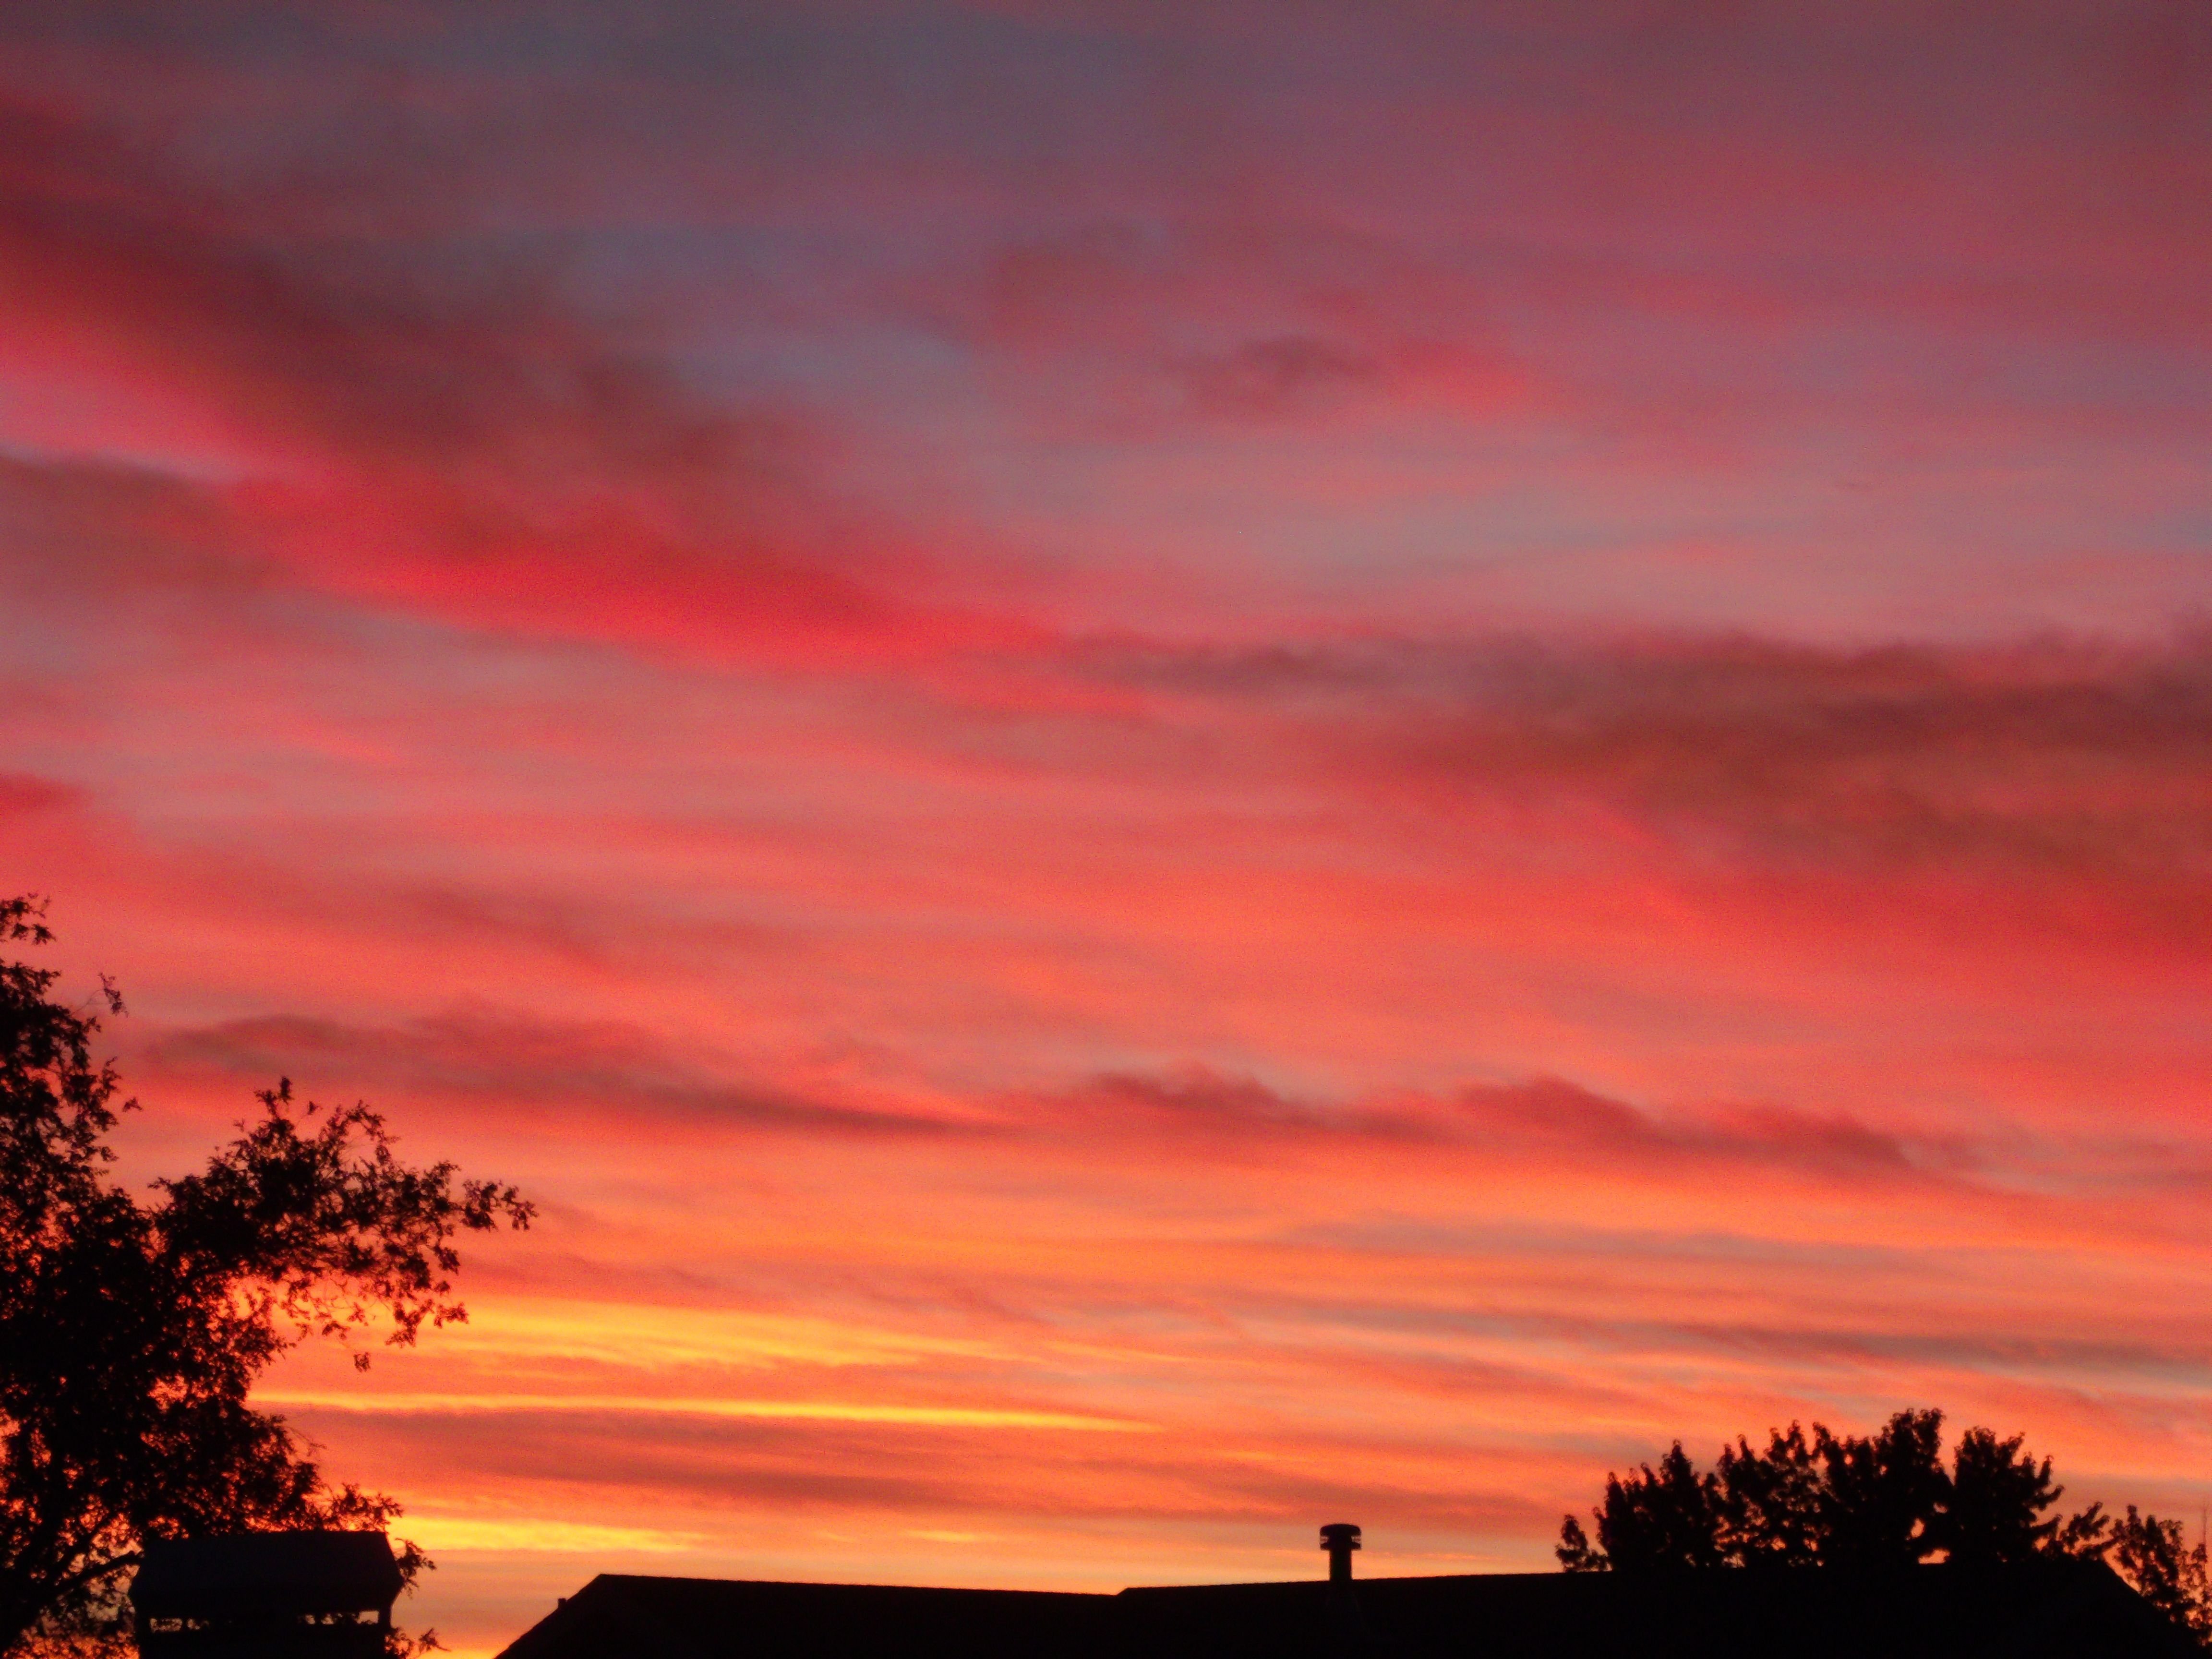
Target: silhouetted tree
{"points": [[2154, 1557], [131, 1328], [1654, 1519], [1882, 1500], [1770, 1501], [1997, 1497], [1882, 1497]]}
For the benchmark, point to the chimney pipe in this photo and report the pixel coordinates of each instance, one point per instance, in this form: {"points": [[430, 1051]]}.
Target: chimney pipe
{"points": [[1339, 1538]]}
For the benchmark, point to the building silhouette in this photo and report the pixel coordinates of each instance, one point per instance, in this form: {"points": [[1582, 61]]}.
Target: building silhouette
{"points": [[2050, 1608], [266, 1595]]}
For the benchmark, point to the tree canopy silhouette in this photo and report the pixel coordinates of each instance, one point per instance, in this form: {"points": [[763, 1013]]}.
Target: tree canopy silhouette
{"points": [[2154, 1557], [1881, 1500], [132, 1328]]}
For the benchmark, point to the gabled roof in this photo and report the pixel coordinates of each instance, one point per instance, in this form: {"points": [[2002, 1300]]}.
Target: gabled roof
{"points": [[286, 1573], [2038, 1610]]}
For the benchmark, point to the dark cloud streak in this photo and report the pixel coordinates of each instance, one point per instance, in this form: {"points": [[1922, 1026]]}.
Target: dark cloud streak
{"points": [[531, 1065], [2043, 763]]}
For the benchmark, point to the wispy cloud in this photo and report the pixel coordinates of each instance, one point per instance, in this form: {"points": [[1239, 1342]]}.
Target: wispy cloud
{"points": [[620, 1072], [2040, 767]]}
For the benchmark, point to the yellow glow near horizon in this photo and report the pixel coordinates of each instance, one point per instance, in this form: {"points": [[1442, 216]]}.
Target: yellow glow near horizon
{"points": [[534, 1535], [953, 1417], [633, 1335]]}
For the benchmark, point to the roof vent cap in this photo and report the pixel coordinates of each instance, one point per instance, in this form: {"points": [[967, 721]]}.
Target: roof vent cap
{"points": [[1339, 1538]]}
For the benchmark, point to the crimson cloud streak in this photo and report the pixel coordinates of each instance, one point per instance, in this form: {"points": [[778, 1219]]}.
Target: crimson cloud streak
{"points": [[1170, 770]]}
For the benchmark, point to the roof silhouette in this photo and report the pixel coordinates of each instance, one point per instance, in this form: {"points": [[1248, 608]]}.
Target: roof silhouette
{"points": [[2036, 1610]]}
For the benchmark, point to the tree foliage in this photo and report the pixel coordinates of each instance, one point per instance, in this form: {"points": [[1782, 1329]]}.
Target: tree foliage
{"points": [[132, 1328], [2155, 1556], [1881, 1500]]}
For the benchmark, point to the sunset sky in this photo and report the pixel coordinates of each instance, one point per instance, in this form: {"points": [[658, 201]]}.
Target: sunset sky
{"points": [[1171, 770]]}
